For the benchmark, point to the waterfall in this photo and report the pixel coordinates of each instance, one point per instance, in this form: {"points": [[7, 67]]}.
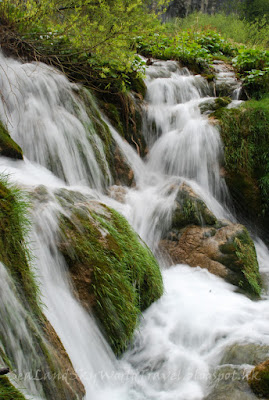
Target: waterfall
{"points": [[184, 335], [44, 115]]}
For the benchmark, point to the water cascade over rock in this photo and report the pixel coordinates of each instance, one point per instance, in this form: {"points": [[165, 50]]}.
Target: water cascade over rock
{"points": [[84, 263]]}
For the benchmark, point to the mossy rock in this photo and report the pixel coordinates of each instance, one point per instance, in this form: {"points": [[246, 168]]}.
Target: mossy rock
{"points": [[212, 105], [245, 135], [190, 210], [8, 147], [113, 271], [125, 114], [8, 391], [197, 238], [239, 254], [259, 380]]}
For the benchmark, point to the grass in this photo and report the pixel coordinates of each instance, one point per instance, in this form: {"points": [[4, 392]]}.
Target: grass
{"points": [[231, 27], [8, 391], [247, 262], [14, 246]]}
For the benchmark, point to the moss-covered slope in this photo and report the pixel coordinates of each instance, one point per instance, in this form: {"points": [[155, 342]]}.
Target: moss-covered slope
{"points": [[112, 270], [245, 134]]}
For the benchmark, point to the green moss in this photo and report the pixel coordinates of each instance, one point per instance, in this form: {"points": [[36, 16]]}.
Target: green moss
{"points": [[14, 251], [191, 210], [214, 105], [8, 391], [240, 256], [138, 85], [245, 134], [247, 262], [259, 380], [8, 147], [125, 277]]}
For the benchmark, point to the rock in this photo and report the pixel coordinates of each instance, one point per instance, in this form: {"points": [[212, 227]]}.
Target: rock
{"points": [[117, 193], [197, 238], [248, 353], [211, 105], [124, 175], [4, 371], [226, 82], [230, 382], [9, 148], [59, 363], [114, 274], [190, 209], [259, 380]]}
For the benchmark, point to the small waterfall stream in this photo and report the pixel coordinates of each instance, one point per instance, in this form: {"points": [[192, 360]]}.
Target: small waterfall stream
{"points": [[183, 336]]}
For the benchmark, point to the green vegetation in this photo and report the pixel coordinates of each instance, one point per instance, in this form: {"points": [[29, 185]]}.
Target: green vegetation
{"points": [[8, 147], [194, 49], [247, 262], [245, 134], [123, 278], [259, 380], [14, 249], [44, 348], [90, 41], [232, 27], [8, 391]]}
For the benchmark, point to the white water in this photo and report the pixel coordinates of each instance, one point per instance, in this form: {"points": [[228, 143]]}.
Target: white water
{"points": [[186, 332], [16, 338]]}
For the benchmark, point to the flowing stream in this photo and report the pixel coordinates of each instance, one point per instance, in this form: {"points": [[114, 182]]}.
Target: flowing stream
{"points": [[183, 336]]}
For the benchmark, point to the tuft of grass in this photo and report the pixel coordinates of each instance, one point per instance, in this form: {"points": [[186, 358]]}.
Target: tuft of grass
{"points": [[14, 245], [8, 391]]}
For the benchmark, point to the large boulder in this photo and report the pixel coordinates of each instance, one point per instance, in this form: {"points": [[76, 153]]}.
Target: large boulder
{"points": [[198, 238], [259, 380], [113, 271]]}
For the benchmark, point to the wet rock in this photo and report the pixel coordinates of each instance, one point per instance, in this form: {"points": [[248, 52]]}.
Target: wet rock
{"points": [[248, 353], [198, 238], [230, 382], [117, 193], [259, 380], [211, 105], [9, 148], [190, 209], [226, 82], [123, 173]]}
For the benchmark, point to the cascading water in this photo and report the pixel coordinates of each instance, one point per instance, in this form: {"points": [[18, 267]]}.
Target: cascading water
{"points": [[45, 117], [184, 335]]}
